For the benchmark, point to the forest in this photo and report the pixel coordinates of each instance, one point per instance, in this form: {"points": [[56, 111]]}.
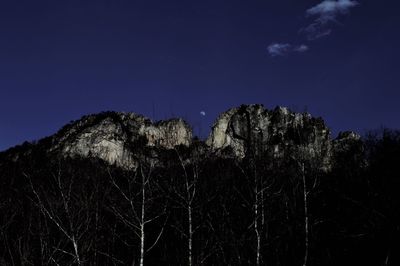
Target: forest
{"points": [[196, 208]]}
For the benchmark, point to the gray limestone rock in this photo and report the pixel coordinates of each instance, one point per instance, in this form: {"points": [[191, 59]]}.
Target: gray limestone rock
{"points": [[280, 132], [117, 137], [121, 138]]}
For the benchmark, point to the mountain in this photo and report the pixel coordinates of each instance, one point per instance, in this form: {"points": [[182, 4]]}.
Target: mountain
{"points": [[116, 137], [267, 187], [112, 137]]}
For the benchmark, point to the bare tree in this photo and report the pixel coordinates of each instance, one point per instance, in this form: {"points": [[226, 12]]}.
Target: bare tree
{"points": [[258, 190], [189, 200], [255, 149], [185, 198], [71, 220], [314, 164], [139, 202], [305, 198]]}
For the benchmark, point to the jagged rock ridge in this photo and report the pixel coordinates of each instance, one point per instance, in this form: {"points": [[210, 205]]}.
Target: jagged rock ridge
{"points": [[279, 132], [116, 137]]}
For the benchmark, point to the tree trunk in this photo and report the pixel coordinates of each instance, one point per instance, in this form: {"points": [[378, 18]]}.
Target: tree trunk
{"points": [[78, 260], [190, 239], [386, 262], [256, 228], [306, 230], [142, 224]]}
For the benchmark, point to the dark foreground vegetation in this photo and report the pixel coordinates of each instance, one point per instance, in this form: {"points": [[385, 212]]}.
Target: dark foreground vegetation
{"points": [[198, 209]]}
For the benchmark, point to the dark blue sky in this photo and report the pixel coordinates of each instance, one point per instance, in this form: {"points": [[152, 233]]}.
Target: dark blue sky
{"points": [[60, 60]]}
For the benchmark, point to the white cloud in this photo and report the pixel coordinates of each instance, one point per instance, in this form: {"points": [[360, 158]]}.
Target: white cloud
{"points": [[326, 12], [323, 14], [301, 48], [281, 49], [277, 49], [329, 9]]}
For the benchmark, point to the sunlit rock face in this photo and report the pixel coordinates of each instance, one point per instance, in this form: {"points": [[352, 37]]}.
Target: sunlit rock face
{"points": [[121, 138], [278, 132], [117, 138], [167, 134]]}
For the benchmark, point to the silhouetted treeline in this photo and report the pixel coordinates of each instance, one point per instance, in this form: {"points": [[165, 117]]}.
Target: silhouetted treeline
{"points": [[199, 209]]}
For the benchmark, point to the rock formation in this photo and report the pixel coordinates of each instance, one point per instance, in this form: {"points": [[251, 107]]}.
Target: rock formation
{"points": [[279, 132], [116, 137]]}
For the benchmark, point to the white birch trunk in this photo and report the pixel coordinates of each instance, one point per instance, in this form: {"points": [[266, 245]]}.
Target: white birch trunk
{"points": [[305, 192], [142, 235], [78, 260], [190, 239], [256, 227], [387, 258]]}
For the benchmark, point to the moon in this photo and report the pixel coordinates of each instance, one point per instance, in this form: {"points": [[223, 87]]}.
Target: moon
{"points": [[202, 113]]}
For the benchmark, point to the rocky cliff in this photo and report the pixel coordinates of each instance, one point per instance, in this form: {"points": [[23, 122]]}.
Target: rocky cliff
{"points": [[118, 138], [279, 132]]}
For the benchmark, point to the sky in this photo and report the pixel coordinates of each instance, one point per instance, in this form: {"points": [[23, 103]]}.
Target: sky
{"points": [[60, 60]]}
